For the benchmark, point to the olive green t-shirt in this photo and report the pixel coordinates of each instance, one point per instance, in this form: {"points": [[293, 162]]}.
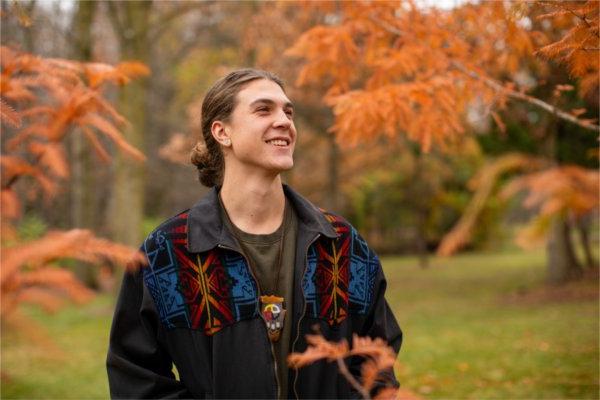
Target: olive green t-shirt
{"points": [[262, 252]]}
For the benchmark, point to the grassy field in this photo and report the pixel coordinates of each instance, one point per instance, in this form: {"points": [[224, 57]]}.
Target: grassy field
{"points": [[476, 326], [484, 326]]}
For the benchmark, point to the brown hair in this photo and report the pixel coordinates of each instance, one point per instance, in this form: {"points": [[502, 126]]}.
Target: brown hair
{"points": [[218, 104]]}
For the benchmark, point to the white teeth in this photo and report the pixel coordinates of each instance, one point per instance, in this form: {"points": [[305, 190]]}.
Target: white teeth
{"points": [[278, 142]]}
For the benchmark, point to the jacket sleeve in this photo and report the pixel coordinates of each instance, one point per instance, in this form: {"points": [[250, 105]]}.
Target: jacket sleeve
{"points": [[137, 365], [380, 323]]}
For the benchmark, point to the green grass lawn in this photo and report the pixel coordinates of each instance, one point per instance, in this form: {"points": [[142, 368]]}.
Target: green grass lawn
{"points": [[484, 326], [75, 369], [476, 326]]}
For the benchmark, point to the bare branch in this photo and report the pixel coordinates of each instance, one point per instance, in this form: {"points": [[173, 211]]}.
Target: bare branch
{"points": [[187, 44], [115, 20], [355, 384], [385, 25], [524, 97], [160, 24]]}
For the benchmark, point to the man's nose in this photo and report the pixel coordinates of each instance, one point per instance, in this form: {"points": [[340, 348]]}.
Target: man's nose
{"points": [[282, 120]]}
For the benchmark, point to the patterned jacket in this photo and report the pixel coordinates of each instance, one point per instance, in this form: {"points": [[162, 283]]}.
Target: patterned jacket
{"points": [[196, 306]]}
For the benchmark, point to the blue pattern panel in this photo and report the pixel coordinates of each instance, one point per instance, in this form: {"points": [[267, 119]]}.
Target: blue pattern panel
{"points": [[364, 265], [244, 292], [161, 278], [308, 282]]}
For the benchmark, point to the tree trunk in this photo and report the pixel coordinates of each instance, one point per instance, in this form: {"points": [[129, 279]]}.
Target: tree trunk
{"points": [[583, 226], [562, 264], [29, 36], [421, 242], [333, 174], [420, 193], [131, 21], [82, 193]]}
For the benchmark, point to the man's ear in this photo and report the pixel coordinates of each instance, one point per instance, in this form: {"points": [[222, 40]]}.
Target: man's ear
{"points": [[220, 133]]}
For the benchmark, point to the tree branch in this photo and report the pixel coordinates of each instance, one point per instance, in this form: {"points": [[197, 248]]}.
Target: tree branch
{"points": [[584, 19], [355, 384], [524, 97], [116, 20], [16, 177], [385, 25], [160, 24], [499, 87], [187, 45]]}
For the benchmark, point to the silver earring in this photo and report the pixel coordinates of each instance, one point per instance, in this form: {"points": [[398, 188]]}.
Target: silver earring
{"points": [[227, 142]]}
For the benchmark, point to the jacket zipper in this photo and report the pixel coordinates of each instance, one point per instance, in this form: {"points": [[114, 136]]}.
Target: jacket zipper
{"points": [[275, 369], [267, 333], [303, 310]]}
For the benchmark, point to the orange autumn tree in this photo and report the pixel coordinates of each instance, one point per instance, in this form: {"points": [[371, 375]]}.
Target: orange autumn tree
{"points": [[566, 195], [393, 68], [578, 48], [43, 100], [416, 71]]}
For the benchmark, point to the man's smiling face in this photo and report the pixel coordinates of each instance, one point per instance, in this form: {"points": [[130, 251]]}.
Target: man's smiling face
{"points": [[261, 127]]}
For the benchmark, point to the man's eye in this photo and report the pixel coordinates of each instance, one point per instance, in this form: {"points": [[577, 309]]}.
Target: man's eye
{"points": [[289, 113], [262, 109]]}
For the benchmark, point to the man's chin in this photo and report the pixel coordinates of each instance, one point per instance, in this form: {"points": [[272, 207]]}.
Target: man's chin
{"points": [[283, 166]]}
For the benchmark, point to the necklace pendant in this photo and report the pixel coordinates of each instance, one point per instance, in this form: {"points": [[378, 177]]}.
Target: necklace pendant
{"points": [[273, 313]]}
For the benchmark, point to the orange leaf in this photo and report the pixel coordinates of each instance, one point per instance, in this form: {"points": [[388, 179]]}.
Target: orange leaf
{"points": [[42, 297], [52, 156], [8, 115], [96, 145], [109, 130], [11, 207], [499, 122], [133, 69]]}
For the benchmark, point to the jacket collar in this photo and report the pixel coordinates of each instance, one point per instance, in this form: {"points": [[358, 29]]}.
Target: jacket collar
{"points": [[205, 229]]}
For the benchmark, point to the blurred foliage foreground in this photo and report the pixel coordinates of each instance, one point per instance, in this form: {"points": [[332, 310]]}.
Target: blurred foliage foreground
{"points": [[476, 326]]}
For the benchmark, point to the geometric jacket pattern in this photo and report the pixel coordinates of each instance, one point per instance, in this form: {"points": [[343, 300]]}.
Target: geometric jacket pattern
{"points": [[208, 291]]}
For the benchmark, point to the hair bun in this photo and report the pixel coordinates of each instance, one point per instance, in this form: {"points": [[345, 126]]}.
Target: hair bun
{"points": [[199, 155], [209, 172]]}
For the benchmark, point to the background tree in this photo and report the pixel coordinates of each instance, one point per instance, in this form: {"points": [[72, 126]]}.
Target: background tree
{"points": [[131, 23], [42, 101], [394, 68], [83, 204]]}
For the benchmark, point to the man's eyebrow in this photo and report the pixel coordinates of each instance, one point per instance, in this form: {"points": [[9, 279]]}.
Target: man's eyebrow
{"points": [[287, 104]]}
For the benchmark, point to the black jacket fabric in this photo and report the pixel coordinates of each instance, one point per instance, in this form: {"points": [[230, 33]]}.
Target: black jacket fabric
{"points": [[196, 306]]}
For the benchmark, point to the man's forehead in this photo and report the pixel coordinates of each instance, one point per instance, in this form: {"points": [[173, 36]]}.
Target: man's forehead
{"points": [[263, 90]]}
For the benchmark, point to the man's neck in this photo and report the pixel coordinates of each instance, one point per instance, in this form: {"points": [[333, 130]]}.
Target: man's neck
{"points": [[254, 204]]}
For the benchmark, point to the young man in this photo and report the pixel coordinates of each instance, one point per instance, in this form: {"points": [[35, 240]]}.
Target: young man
{"points": [[235, 283]]}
